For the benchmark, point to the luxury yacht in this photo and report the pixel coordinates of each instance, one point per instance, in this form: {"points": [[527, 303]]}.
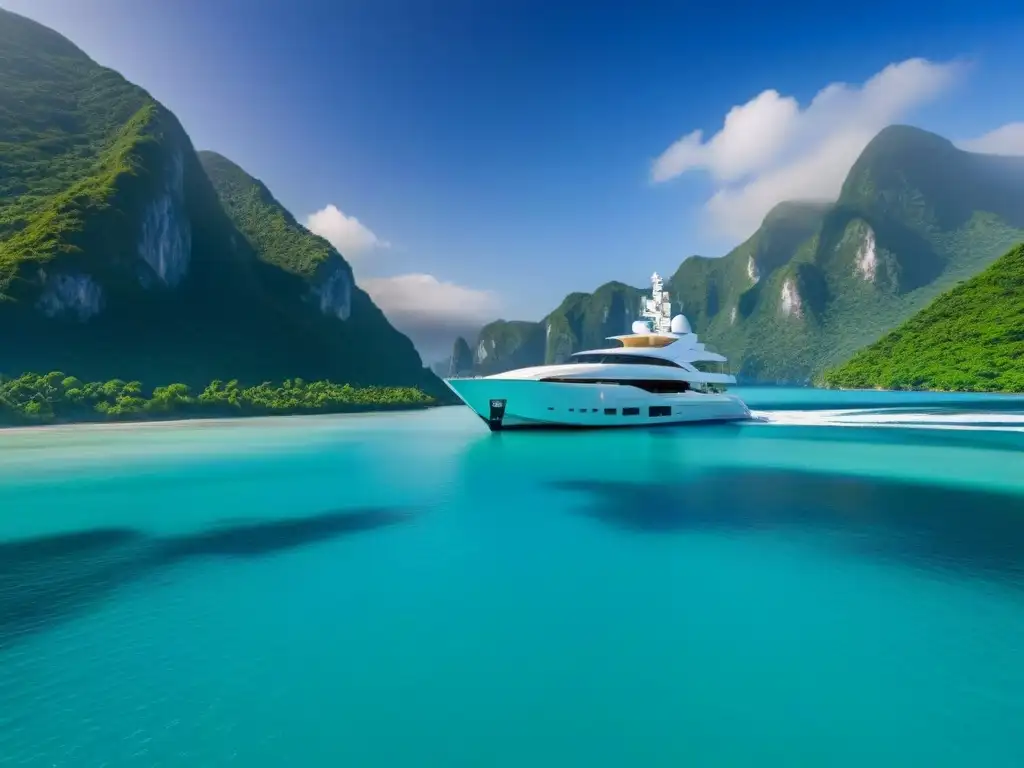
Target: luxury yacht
{"points": [[658, 374]]}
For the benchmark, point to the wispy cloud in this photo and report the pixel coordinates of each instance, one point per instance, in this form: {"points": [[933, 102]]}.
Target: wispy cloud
{"points": [[771, 149], [432, 312], [1006, 140], [351, 237]]}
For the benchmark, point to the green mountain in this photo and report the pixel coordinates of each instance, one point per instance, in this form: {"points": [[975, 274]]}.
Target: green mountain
{"points": [[462, 357], [459, 362], [507, 344], [585, 320], [311, 286], [581, 321], [970, 338], [722, 297], [818, 281], [815, 283], [122, 254]]}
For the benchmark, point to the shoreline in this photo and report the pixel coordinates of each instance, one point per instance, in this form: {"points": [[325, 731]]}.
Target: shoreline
{"points": [[219, 420]]}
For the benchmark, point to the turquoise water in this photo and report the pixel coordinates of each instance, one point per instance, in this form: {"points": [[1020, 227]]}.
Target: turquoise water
{"points": [[838, 584]]}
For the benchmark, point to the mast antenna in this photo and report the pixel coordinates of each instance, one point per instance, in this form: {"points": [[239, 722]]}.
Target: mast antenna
{"points": [[658, 308]]}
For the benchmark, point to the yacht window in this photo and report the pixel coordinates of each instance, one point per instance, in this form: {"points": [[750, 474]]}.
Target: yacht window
{"points": [[659, 410], [630, 411], [610, 411], [614, 359], [708, 366], [655, 386]]}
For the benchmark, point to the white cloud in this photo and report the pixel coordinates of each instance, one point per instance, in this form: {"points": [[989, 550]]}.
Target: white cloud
{"points": [[427, 296], [752, 135], [350, 236], [1007, 140], [430, 312], [770, 149]]}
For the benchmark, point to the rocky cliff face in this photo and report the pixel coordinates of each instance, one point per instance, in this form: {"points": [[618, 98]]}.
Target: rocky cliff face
{"points": [[69, 295], [462, 357], [123, 255], [165, 239], [581, 321], [332, 288], [507, 344], [586, 320], [460, 363]]}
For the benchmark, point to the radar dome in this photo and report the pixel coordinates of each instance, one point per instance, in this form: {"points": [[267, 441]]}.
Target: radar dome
{"points": [[640, 326], [681, 325]]}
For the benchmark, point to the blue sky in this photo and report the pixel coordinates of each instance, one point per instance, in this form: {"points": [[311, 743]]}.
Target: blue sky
{"points": [[502, 152]]}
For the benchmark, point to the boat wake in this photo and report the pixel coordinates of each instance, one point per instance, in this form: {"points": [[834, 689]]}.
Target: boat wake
{"points": [[894, 417]]}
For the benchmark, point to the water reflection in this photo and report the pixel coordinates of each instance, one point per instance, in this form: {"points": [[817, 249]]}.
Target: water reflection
{"points": [[966, 531]]}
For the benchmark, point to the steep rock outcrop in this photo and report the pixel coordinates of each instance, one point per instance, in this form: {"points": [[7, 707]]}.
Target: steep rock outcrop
{"points": [[78, 296], [790, 301], [165, 240], [459, 363]]}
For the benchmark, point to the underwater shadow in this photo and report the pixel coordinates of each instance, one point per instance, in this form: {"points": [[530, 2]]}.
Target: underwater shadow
{"points": [[954, 530], [47, 580], [256, 539]]}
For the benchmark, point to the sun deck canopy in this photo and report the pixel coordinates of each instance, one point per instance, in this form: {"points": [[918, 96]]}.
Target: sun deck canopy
{"points": [[645, 340]]}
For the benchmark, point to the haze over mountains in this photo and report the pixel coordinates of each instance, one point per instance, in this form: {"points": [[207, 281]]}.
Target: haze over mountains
{"points": [[816, 282], [125, 254]]}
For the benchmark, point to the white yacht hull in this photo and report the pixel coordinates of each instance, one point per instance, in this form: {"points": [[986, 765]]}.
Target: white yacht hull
{"points": [[505, 403]]}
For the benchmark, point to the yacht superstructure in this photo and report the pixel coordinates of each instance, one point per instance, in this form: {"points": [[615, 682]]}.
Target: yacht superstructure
{"points": [[658, 374]]}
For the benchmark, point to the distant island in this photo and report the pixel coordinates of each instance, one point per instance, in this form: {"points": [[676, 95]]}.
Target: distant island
{"points": [[152, 272]]}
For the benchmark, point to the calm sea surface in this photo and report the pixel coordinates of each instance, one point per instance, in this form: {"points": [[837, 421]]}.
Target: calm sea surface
{"points": [[838, 584]]}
